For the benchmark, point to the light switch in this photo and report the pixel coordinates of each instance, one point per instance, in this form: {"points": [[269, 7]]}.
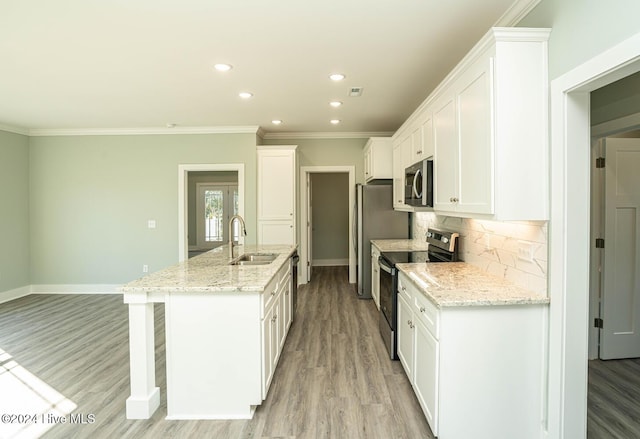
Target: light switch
{"points": [[151, 224]]}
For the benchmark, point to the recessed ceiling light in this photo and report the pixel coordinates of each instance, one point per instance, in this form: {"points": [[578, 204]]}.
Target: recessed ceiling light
{"points": [[335, 121], [337, 76], [335, 104], [276, 122], [223, 67], [245, 94]]}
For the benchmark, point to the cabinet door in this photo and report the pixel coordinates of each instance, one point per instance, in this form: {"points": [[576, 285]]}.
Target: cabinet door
{"points": [[276, 232], [375, 279], [417, 151], [268, 328], [475, 175], [426, 374], [446, 154], [398, 177], [276, 185], [281, 318], [405, 336], [288, 304], [427, 137]]}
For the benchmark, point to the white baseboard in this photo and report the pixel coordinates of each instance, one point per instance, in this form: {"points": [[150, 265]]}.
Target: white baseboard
{"points": [[76, 289], [6, 296], [329, 262]]}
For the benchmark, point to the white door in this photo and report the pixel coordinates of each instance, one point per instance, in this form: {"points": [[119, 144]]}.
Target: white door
{"points": [[620, 335], [309, 226], [215, 205]]}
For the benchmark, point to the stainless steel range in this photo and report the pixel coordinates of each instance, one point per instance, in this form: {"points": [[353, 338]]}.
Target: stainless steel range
{"points": [[443, 247]]}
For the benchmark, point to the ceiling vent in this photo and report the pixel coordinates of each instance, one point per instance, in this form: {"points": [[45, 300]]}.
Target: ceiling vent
{"points": [[355, 91]]}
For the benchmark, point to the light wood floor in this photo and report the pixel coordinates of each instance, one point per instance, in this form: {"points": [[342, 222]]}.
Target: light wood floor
{"points": [[614, 399], [334, 379]]}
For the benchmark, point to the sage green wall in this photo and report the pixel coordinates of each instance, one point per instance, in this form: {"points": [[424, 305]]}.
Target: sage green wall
{"points": [[330, 195], [14, 208], [581, 29], [328, 152], [91, 198], [616, 100]]}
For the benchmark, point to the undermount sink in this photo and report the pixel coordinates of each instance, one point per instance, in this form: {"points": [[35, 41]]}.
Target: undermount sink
{"points": [[254, 259]]}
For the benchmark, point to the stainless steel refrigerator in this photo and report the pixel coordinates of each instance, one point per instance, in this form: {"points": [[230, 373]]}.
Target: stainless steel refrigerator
{"points": [[375, 219]]}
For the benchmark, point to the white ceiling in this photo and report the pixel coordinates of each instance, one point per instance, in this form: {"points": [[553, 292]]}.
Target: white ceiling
{"points": [[129, 64]]}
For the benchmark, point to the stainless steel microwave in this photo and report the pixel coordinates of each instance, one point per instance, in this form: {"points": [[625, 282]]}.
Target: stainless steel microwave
{"points": [[418, 184]]}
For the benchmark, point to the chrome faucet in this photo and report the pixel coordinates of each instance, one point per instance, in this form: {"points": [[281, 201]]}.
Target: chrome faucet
{"points": [[244, 230]]}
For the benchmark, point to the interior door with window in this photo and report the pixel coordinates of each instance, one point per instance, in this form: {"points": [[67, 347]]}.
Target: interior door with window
{"points": [[216, 204]]}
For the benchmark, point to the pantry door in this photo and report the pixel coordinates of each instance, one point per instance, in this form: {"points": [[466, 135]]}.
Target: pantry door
{"points": [[620, 334]]}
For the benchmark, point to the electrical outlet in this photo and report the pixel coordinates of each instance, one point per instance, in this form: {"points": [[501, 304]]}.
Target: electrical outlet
{"points": [[525, 251], [151, 224], [145, 268]]}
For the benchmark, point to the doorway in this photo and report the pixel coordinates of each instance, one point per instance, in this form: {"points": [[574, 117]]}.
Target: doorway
{"points": [[193, 178], [570, 235], [306, 218]]}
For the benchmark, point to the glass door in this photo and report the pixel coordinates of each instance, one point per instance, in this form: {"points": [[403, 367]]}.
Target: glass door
{"points": [[216, 204]]}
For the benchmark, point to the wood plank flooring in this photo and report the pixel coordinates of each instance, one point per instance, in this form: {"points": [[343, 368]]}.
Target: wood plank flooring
{"points": [[334, 379], [614, 399]]}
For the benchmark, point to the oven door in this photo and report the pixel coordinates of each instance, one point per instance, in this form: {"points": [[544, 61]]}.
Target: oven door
{"points": [[387, 281]]}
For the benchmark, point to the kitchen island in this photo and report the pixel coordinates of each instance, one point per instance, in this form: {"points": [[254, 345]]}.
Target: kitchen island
{"points": [[225, 326], [473, 346]]}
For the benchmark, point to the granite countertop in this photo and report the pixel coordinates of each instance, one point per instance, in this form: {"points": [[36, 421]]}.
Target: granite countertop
{"points": [[400, 245], [211, 272], [461, 284]]}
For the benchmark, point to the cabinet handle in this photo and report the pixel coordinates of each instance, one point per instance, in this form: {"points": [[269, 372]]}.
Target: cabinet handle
{"points": [[273, 293], [422, 309], [403, 289], [419, 152]]}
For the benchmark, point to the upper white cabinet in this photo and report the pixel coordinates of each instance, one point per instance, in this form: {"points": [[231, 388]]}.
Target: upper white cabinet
{"points": [[490, 129], [277, 194], [378, 159]]}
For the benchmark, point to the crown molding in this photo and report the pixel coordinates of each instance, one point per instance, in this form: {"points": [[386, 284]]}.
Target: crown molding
{"points": [[328, 135], [38, 132], [15, 130], [516, 12]]}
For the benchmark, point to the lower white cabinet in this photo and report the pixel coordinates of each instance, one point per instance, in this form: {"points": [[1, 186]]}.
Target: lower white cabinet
{"points": [[375, 276], [477, 371]]}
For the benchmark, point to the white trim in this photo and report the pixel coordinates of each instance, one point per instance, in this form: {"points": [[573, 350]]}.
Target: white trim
{"points": [[16, 293], [328, 135], [76, 289], [183, 200], [329, 262], [15, 130], [304, 170], [626, 123], [569, 233], [142, 131]]}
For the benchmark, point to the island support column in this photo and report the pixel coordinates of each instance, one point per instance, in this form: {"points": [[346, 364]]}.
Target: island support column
{"points": [[145, 396]]}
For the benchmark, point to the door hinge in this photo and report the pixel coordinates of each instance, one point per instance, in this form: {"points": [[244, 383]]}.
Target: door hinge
{"points": [[599, 243], [308, 264], [598, 323], [600, 162]]}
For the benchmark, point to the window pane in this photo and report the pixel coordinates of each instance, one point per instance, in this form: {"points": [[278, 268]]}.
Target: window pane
{"points": [[213, 215]]}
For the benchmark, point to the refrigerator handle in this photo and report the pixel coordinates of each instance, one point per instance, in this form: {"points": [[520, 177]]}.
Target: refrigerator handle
{"points": [[354, 226]]}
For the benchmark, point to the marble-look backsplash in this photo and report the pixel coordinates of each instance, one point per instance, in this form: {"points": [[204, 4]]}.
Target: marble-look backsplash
{"points": [[493, 246]]}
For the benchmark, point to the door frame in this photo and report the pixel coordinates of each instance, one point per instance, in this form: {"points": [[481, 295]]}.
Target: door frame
{"points": [[304, 171], [183, 199], [569, 249]]}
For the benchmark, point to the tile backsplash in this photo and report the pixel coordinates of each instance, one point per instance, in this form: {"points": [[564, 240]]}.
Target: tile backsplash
{"points": [[495, 246]]}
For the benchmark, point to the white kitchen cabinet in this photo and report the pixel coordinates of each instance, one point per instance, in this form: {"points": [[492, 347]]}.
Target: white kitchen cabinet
{"points": [[422, 139], [398, 178], [277, 167], [490, 129], [478, 364], [378, 159], [375, 275]]}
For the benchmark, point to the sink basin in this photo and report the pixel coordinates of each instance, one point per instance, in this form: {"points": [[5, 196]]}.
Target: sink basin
{"points": [[254, 259]]}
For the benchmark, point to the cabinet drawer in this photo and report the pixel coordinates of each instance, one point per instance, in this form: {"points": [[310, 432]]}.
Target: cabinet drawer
{"points": [[405, 288], [269, 295], [427, 313]]}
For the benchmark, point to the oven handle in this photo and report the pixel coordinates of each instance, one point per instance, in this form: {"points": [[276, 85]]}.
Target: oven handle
{"points": [[383, 265]]}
